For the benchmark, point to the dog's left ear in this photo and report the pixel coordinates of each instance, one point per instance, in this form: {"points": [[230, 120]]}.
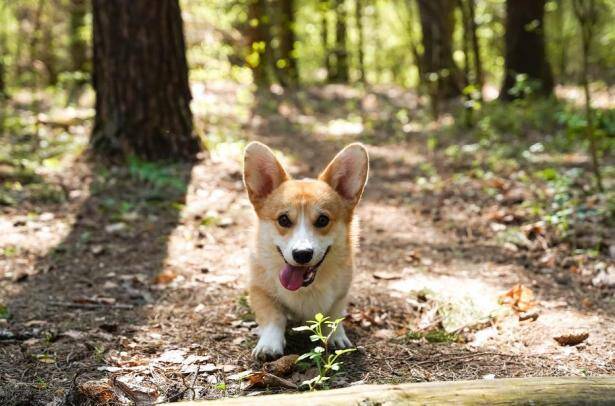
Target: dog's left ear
{"points": [[347, 172]]}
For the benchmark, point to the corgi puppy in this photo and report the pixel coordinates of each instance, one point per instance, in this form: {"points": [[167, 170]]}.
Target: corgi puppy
{"points": [[302, 259]]}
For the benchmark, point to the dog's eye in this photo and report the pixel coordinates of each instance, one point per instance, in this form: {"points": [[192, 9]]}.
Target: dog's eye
{"points": [[284, 221], [321, 221]]}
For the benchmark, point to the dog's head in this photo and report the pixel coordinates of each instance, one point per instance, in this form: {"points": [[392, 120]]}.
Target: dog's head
{"points": [[304, 219]]}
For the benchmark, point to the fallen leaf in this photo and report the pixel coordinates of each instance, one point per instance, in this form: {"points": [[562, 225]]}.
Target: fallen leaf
{"points": [[98, 391], [97, 249], [262, 379], [384, 333], [74, 334], [115, 227], [45, 358], [572, 338], [196, 359], [140, 394], [519, 297], [172, 356], [229, 368], [239, 376], [165, 277], [282, 366]]}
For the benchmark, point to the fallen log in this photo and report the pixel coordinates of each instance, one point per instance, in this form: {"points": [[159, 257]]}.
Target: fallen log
{"points": [[540, 391]]}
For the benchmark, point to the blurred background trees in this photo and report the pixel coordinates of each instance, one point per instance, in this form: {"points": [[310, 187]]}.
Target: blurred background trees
{"points": [[448, 50]]}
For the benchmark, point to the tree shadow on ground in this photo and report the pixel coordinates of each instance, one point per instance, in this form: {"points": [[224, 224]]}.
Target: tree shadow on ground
{"points": [[94, 289]]}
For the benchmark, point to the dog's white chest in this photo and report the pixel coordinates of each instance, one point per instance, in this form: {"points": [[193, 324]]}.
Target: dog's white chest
{"points": [[305, 303]]}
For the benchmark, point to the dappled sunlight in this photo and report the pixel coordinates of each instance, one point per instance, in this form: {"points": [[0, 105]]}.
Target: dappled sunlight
{"points": [[485, 230]]}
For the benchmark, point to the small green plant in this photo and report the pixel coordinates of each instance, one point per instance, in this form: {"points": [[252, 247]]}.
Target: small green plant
{"points": [[4, 312], [326, 362], [40, 383], [99, 353]]}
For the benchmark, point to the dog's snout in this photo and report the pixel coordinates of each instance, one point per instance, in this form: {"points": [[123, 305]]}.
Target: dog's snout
{"points": [[303, 256]]}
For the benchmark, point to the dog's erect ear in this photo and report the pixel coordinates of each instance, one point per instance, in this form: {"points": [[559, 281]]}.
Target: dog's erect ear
{"points": [[262, 172], [347, 172]]}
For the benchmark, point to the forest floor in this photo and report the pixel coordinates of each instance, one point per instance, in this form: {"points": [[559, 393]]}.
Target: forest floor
{"points": [[129, 284]]}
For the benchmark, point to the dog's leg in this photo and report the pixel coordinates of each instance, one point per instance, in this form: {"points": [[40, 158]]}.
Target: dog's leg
{"points": [[272, 323], [339, 338]]}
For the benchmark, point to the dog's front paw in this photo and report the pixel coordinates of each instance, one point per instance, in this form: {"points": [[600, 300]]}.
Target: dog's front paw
{"points": [[270, 344], [339, 339]]}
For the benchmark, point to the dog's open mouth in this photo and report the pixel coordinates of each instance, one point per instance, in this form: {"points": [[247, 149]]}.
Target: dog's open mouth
{"points": [[294, 277]]}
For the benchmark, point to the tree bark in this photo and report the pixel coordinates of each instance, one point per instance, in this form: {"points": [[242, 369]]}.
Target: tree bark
{"points": [[525, 48], [141, 81], [437, 25], [515, 391], [287, 63]]}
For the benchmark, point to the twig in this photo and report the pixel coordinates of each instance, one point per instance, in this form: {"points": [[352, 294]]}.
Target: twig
{"points": [[196, 375]]}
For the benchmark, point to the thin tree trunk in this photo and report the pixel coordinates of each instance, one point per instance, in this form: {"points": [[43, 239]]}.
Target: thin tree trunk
{"points": [[141, 81], [3, 53], [360, 53], [525, 47], [324, 36], [416, 55], [587, 15], [287, 63], [438, 25], [465, 42], [478, 66], [77, 44], [259, 37], [341, 51]]}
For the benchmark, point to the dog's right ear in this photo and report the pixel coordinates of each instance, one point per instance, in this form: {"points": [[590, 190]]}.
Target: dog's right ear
{"points": [[262, 172]]}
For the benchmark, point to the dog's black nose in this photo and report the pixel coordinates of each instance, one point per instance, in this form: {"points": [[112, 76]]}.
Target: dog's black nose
{"points": [[303, 256]]}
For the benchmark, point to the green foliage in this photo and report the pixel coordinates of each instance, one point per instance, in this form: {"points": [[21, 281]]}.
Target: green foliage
{"points": [[327, 363], [4, 312], [158, 175]]}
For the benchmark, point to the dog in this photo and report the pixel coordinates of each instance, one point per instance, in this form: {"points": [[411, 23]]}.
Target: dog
{"points": [[306, 234]]}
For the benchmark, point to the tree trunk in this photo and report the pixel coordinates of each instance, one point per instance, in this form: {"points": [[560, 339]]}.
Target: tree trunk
{"points": [[478, 66], [525, 48], [586, 12], [437, 25], [77, 45], [324, 36], [141, 81], [508, 391], [259, 37], [340, 73], [360, 53], [287, 62]]}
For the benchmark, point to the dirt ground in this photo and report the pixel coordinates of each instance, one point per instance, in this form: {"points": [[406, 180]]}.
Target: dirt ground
{"points": [[133, 289]]}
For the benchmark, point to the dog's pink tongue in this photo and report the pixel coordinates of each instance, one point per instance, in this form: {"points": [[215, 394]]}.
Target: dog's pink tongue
{"points": [[291, 277]]}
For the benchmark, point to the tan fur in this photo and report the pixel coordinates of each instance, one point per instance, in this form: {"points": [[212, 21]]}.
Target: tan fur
{"points": [[270, 301]]}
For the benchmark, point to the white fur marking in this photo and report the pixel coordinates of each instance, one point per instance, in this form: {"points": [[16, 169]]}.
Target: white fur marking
{"points": [[271, 342], [339, 338]]}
